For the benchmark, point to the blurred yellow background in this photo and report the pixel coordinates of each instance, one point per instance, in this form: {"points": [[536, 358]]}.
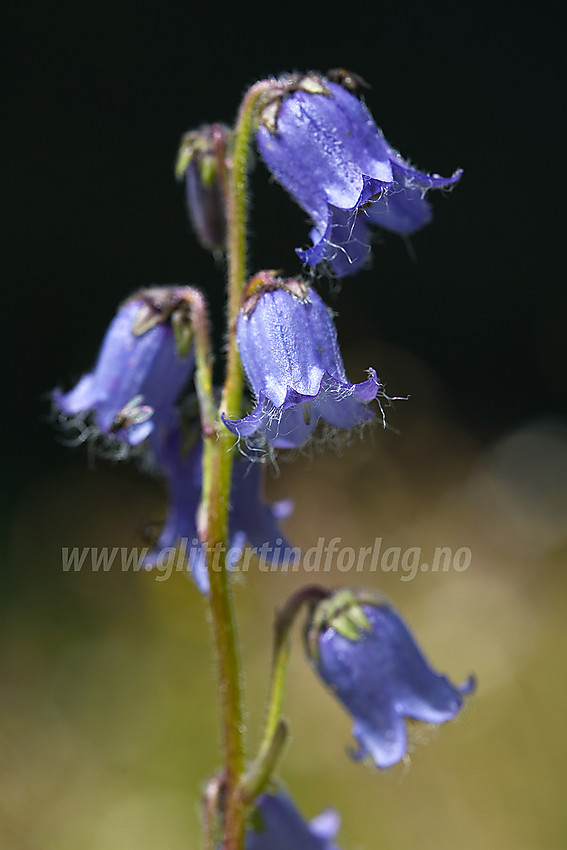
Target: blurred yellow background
{"points": [[109, 726]]}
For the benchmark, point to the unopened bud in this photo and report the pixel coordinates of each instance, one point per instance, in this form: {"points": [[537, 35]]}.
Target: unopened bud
{"points": [[201, 163]]}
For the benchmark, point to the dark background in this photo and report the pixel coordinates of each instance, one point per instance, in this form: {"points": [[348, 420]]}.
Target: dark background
{"points": [[97, 99]]}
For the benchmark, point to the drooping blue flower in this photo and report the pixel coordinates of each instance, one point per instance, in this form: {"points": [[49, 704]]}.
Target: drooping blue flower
{"points": [[322, 145], [250, 518], [367, 656], [277, 825], [288, 346], [143, 364]]}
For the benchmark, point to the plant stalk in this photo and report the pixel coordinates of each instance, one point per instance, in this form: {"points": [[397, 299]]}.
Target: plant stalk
{"points": [[218, 458]]}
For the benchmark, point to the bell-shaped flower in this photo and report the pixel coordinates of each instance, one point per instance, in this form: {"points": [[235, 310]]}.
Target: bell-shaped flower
{"points": [[144, 362], [277, 825], [367, 656], [250, 520], [288, 346], [321, 144]]}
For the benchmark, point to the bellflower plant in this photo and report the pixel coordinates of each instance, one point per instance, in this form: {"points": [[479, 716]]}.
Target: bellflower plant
{"points": [[152, 387], [368, 658], [289, 350], [320, 142], [277, 825]]}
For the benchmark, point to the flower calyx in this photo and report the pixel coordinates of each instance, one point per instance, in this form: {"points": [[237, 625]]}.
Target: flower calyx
{"points": [[269, 281], [284, 87], [166, 304], [342, 612]]}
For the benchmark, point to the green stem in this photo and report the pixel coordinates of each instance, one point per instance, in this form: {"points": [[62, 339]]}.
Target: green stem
{"points": [[203, 359], [254, 782], [236, 243], [275, 729], [218, 457]]}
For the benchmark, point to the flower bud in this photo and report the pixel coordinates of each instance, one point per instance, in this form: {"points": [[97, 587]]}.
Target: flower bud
{"points": [[200, 162]]}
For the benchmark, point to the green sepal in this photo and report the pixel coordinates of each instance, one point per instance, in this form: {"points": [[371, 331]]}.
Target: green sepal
{"points": [[182, 329], [186, 152], [341, 612]]}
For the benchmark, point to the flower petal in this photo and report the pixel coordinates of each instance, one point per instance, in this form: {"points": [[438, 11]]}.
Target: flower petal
{"points": [[82, 397], [384, 742], [344, 246]]}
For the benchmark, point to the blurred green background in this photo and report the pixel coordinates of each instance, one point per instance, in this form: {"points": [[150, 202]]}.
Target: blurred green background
{"points": [[108, 719]]}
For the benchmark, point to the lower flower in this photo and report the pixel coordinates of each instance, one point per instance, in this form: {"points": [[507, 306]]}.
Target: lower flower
{"points": [[277, 825], [367, 656]]}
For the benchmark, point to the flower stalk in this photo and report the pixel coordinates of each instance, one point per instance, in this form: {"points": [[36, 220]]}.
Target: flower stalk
{"points": [[203, 360], [275, 729], [217, 468]]}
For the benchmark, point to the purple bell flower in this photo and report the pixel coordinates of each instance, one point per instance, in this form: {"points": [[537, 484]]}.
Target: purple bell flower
{"points": [[289, 350], [144, 362], [277, 825], [365, 653], [322, 145], [250, 518]]}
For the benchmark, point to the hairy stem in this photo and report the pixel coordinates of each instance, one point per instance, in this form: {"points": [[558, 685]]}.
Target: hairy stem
{"points": [[203, 359], [218, 457]]}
